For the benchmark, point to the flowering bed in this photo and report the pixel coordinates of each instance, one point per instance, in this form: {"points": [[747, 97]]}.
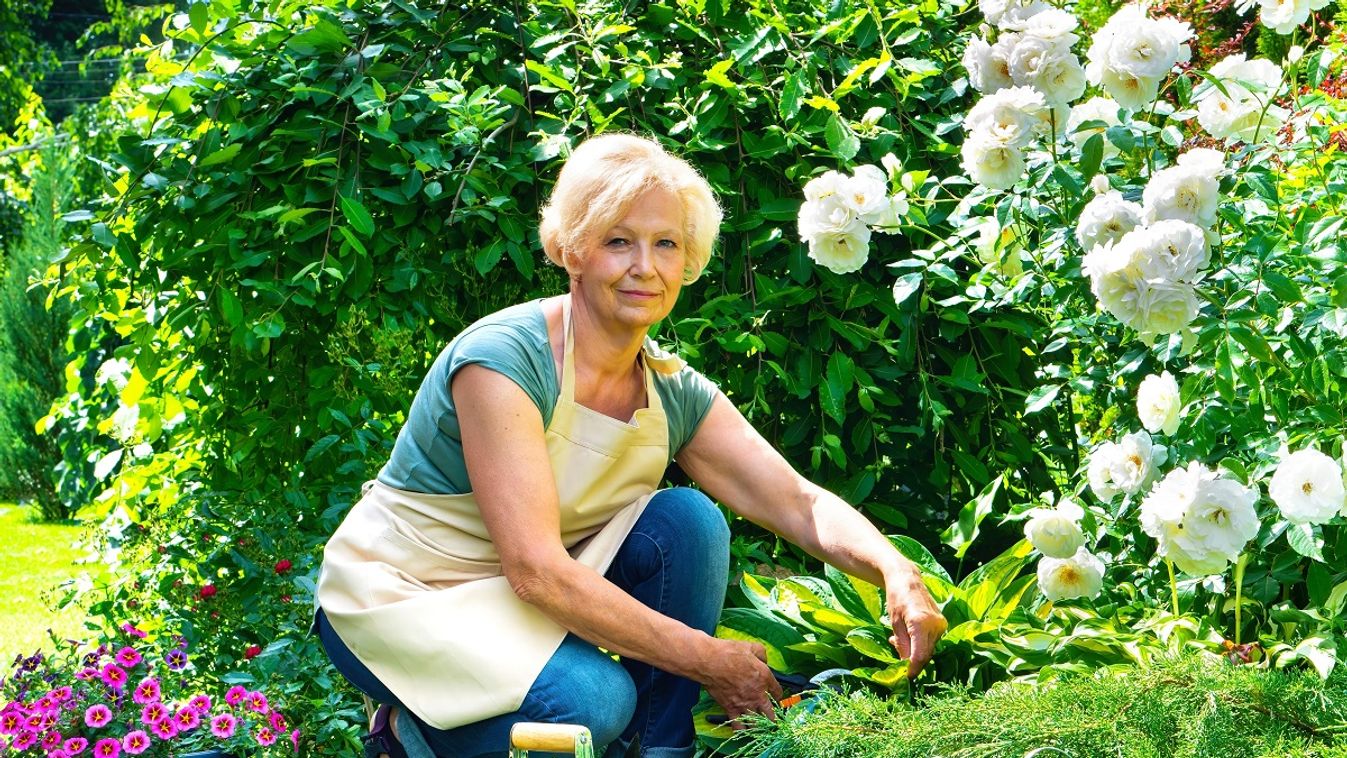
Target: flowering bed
{"points": [[129, 697]]}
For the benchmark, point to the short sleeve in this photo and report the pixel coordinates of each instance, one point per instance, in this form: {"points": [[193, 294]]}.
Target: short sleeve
{"points": [[687, 396]]}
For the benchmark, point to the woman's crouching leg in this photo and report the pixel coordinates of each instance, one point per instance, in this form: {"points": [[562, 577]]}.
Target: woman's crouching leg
{"points": [[579, 685], [676, 561]]}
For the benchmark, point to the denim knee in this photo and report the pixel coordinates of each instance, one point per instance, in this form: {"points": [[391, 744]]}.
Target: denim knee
{"points": [[693, 517], [583, 685]]}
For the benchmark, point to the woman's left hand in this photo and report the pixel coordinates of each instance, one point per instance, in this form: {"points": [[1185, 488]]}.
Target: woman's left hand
{"points": [[917, 621]]}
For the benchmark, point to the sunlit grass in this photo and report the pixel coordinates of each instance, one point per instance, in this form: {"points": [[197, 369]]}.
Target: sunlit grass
{"points": [[35, 558]]}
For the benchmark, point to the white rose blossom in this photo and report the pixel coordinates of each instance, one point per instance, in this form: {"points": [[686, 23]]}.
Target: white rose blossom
{"points": [[1184, 193], [1200, 520], [1169, 250], [1158, 403], [988, 66], [1081, 575], [866, 192], [1307, 487], [1105, 219], [1282, 16], [1132, 53], [1164, 307], [1011, 14], [1008, 117], [1122, 467], [1243, 112], [991, 163], [1056, 532], [1134, 93], [843, 250]]}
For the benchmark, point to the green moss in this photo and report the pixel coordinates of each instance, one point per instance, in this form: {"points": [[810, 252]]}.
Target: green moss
{"points": [[1182, 708]]}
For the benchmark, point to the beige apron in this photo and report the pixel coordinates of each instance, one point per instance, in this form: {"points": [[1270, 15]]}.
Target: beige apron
{"points": [[412, 582]]}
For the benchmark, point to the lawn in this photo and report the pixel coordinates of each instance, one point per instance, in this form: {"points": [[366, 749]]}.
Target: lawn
{"points": [[35, 558]]}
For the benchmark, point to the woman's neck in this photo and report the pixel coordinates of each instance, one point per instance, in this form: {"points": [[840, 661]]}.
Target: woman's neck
{"points": [[604, 351]]}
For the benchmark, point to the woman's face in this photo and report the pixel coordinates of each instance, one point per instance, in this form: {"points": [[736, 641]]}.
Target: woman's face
{"points": [[633, 271]]}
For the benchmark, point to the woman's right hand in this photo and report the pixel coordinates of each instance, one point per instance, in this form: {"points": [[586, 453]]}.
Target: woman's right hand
{"points": [[737, 677]]}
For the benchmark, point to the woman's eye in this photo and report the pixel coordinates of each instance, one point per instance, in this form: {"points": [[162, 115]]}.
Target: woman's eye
{"points": [[618, 241], [668, 243]]}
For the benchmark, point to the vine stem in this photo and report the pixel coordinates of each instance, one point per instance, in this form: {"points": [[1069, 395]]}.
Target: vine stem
{"points": [[1240, 563], [1173, 586]]}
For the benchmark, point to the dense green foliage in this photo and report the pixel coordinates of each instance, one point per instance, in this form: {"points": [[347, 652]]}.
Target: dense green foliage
{"points": [[1182, 707]]}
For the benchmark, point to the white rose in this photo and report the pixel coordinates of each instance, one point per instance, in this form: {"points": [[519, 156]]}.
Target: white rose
{"points": [[1008, 116], [841, 250], [892, 166], [992, 164], [1060, 78], [1307, 487], [1081, 575], [1284, 16], [1164, 307], [1105, 219], [1095, 109], [866, 192], [1113, 280], [1015, 14], [1133, 465], [1242, 112], [1221, 519], [1206, 161], [1198, 563], [827, 214], [1163, 510], [1099, 184], [1100, 471], [987, 71], [824, 185], [1056, 532], [1053, 24], [1149, 49], [1004, 262], [1158, 403], [1134, 93], [1182, 193], [1170, 250]]}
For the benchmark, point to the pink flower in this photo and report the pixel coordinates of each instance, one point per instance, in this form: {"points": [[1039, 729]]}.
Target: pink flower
{"points": [[63, 693], [51, 741], [136, 742], [200, 704], [165, 729], [251, 652], [277, 721], [187, 718], [58, 753], [47, 703], [207, 592], [236, 694], [128, 657], [114, 676], [9, 722], [176, 659], [222, 726], [87, 674], [107, 748], [134, 632], [265, 736], [97, 716], [283, 565], [147, 691], [294, 740], [153, 713], [76, 745], [257, 702], [24, 740]]}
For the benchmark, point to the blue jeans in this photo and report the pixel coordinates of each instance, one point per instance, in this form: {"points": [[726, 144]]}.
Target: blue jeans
{"points": [[676, 561]]}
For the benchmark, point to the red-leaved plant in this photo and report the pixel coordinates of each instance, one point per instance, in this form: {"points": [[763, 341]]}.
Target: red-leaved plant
{"points": [[130, 697]]}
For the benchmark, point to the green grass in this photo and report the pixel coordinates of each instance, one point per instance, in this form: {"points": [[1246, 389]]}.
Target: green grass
{"points": [[34, 559], [1182, 708]]}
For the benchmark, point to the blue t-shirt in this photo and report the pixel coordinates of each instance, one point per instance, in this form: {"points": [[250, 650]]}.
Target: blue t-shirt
{"points": [[428, 454]]}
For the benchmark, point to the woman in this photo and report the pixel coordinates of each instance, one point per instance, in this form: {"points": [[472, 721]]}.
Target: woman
{"points": [[518, 526]]}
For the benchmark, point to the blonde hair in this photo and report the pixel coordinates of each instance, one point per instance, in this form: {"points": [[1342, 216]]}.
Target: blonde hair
{"points": [[601, 180]]}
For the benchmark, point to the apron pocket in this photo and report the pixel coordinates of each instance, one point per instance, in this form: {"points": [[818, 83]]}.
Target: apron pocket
{"points": [[431, 564]]}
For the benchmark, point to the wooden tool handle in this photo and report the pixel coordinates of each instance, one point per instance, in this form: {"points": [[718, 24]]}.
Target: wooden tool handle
{"points": [[556, 738]]}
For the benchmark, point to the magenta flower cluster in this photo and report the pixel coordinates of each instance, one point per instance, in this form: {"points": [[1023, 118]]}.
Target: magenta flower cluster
{"points": [[118, 700]]}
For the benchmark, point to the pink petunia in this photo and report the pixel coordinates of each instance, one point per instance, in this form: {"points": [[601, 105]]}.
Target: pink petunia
{"points": [[107, 748], [51, 740], [114, 676], [87, 673], [236, 694], [47, 703], [10, 722], [136, 742], [97, 716], [166, 729], [133, 631], [58, 753], [277, 721], [76, 745], [257, 702], [63, 693], [128, 657], [153, 713], [200, 704], [222, 726], [187, 718], [294, 740], [265, 736], [147, 691], [25, 740]]}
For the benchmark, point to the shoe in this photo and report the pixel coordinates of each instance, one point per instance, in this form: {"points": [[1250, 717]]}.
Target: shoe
{"points": [[380, 740]]}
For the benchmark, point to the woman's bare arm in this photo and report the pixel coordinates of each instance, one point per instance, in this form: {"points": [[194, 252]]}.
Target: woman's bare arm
{"points": [[506, 456]]}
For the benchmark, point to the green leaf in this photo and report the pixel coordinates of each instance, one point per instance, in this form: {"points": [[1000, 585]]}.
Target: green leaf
{"points": [[1306, 539], [230, 307], [906, 286], [960, 534], [1122, 137], [1092, 155], [357, 215], [321, 447], [1041, 397], [1286, 290], [545, 73], [842, 142], [791, 92], [917, 553], [716, 75], [857, 596], [982, 587], [199, 14], [222, 155], [755, 626], [873, 642]]}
